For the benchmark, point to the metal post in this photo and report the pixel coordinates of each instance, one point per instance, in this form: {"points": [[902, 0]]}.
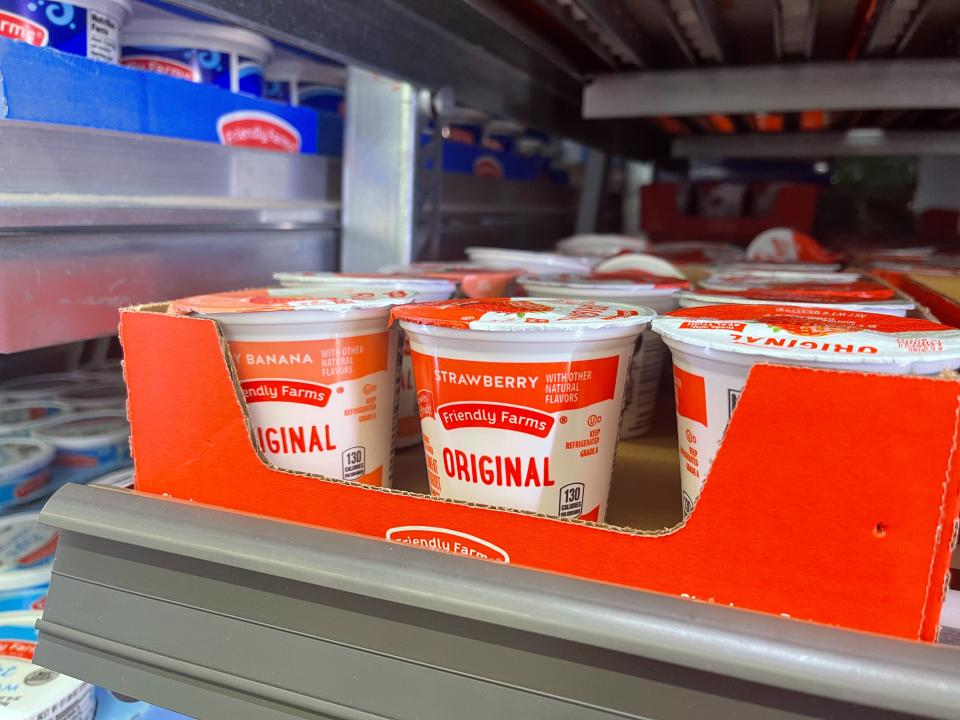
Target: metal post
{"points": [[381, 142], [591, 191], [636, 175]]}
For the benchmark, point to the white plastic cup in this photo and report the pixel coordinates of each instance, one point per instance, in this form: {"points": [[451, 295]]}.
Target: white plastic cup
{"points": [[201, 52], [20, 419], [520, 399], [88, 443], [306, 83], [535, 263], [25, 472], [88, 28], [47, 386], [426, 290], [319, 374], [472, 279], [657, 293], [26, 560], [714, 347]]}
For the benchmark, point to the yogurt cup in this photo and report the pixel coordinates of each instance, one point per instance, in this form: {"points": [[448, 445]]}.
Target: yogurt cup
{"points": [[89, 442], [118, 479], [654, 292], [783, 245], [201, 52], [897, 305], [603, 246], [26, 560], [20, 419], [464, 125], [306, 83], [528, 261], [784, 285], [97, 395], [472, 279], [29, 692], [88, 28], [40, 387], [319, 374], [714, 348], [25, 470], [502, 134], [425, 289], [779, 266], [640, 262], [520, 398]]}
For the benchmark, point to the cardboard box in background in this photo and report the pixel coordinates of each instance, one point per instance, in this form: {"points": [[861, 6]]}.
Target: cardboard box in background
{"points": [[833, 498]]}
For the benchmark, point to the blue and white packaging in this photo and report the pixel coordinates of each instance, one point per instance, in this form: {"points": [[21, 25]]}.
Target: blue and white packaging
{"points": [[114, 706], [88, 444], [20, 419], [29, 692], [88, 28], [201, 52], [26, 560], [26, 471], [299, 81]]}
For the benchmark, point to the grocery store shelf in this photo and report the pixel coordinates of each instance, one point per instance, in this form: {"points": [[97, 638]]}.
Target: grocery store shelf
{"points": [[221, 615], [874, 85], [865, 141]]}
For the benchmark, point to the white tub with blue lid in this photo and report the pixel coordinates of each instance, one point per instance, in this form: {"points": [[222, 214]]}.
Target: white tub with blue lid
{"points": [[201, 52], [46, 386], [88, 28], [307, 83], [20, 419], [26, 559], [29, 692], [25, 470], [88, 443]]}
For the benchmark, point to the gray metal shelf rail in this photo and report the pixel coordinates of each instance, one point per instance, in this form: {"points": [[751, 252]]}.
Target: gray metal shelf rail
{"points": [[225, 616]]}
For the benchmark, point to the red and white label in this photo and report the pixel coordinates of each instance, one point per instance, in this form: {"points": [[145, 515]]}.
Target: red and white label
{"points": [[162, 66], [17, 649], [486, 166], [17, 27], [536, 436], [322, 406], [446, 540], [254, 129]]}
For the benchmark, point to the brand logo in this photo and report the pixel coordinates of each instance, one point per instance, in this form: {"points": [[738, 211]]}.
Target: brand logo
{"points": [[32, 484], [445, 540], [494, 415], [253, 129], [20, 28], [40, 604], [425, 404], [707, 325], [162, 66], [302, 393], [486, 166], [39, 555], [17, 649]]}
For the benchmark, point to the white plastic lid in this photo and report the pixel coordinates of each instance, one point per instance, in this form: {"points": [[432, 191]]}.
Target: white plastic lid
{"points": [[98, 394], [190, 34], [641, 262], [292, 69], [506, 258], [602, 245], [629, 283], [22, 455], [87, 429], [461, 115], [712, 298], [524, 315], [118, 8], [817, 268], [17, 417], [118, 478], [697, 252], [815, 335], [334, 302], [26, 551], [806, 287], [508, 128], [40, 387], [420, 285]]}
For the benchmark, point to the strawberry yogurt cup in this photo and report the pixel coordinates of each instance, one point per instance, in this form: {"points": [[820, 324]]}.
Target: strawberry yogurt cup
{"points": [[631, 288], [318, 372], [784, 245], [472, 279], [528, 260], [714, 347], [426, 290], [520, 398]]}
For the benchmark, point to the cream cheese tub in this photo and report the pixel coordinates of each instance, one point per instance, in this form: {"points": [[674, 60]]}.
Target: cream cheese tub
{"points": [[319, 375], [639, 262], [20, 419], [97, 395], [201, 52], [88, 28], [40, 387], [26, 561], [714, 348], [30, 692], [88, 443], [520, 399], [528, 261], [602, 246], [657, 293], [25, 470], [472, 279], [426, 290]]}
